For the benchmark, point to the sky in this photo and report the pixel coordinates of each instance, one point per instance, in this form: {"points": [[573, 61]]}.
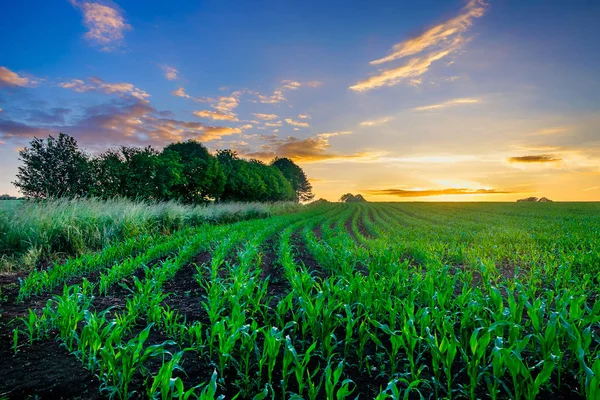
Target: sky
{"points": [[430, 100]]}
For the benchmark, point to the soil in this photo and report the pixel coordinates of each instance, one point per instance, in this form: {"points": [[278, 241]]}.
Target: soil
{"points": [[46, 370]]}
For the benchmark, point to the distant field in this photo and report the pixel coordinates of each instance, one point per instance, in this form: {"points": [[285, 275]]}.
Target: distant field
{"points": [[338, 301]]}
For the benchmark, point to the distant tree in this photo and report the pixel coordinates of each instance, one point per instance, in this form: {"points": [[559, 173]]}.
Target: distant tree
{"points": [[204, 177], [8, 197], [296, 176], [55, 167], [534, 200], [528, 200], [350, 198]]}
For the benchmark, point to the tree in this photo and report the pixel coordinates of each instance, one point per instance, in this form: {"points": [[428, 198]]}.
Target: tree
{"points": [[55, 167], [203, 175], [296, 176], [110, 174], [350, 198]]}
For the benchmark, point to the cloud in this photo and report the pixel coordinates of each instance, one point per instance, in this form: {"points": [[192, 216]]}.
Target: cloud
{"points": [[123, 121], [278, 123], [299, 124], [106, 25], [181, 93], [228, 103], [552, 131], [53, 116], [591, 188], [266, 117], [170, 72], [215, 115], [376, 122], [303, 116], [439, 41], [9, 78], [98, 85], [453, 102], [278, 94], [327, 135], [15, 129], [312, 149], [432, 192], [413, 68], [541, 158]]}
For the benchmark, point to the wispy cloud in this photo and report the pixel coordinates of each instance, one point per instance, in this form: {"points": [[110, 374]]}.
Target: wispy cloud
{"points": [[449, 103], [541, 158], [591, 188], [439, 41], [266, 117], [432, 192], [216, 115], [552, 131], [299, 124], [9, 78], [303, 116], [97, 84], [106, 25], [171, 73], [375, 122], [278, 94]]}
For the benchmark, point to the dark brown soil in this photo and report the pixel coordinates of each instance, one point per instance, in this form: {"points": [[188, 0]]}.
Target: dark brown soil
{"points": [[185, 293], [43, 369]]}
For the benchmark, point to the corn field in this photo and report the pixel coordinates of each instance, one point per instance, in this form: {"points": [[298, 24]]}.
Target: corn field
{"points": [[337, 301]]}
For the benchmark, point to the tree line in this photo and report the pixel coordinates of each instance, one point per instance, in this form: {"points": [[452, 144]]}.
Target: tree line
{"points": [[184, 171]]}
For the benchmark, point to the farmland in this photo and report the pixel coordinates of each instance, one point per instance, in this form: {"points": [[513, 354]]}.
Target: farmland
{"points": [[336, 301]]}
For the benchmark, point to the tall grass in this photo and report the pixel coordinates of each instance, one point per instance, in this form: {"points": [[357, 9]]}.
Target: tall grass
{"points": [[34, 231]]}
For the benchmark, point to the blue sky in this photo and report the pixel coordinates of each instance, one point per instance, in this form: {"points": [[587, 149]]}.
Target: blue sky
{"points": [[398, 100]]}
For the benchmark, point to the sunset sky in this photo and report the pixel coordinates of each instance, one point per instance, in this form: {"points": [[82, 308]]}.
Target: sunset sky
{"points": [[397, 100]]}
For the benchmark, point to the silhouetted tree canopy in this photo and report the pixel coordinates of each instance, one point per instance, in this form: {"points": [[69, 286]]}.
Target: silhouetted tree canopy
{"points": [[350, 198], [186, 171], [296, 176], [534, 200]]}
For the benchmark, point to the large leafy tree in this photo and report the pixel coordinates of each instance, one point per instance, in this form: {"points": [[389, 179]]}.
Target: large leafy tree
{"points": [[204, 177], [296, 176], [54, 167], [110, 174]]}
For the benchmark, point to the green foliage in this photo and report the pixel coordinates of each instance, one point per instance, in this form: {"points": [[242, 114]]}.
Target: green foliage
{"points": [[296, 176], [54, 167], [183, 171], [447, 300], [204, 178]]}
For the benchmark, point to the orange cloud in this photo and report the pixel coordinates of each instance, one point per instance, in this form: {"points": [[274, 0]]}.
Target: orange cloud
{"points": [[453, 102], [432, 192], [376, 122], [97, 84], [299, 124], [312, 149], [267, 117], [542, 158], [10, 78], [440, 40], [438, 34], [106, 25], [216, 115]]}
